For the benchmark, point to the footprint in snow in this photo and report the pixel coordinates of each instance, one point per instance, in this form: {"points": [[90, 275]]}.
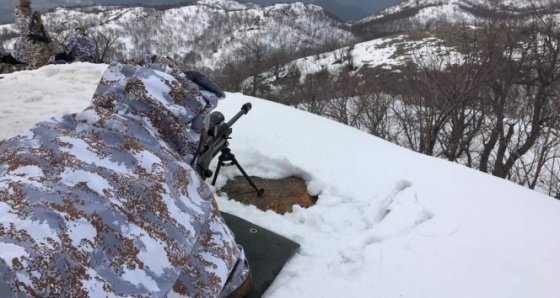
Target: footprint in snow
{"points": [[398, 214]]}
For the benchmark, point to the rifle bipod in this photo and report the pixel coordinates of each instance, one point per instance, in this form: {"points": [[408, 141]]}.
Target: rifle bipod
{"points": [[227, 156]]}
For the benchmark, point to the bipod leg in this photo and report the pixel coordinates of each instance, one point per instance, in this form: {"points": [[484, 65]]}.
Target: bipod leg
{"points": [[220, 163], [260, 191], [226, 155]]}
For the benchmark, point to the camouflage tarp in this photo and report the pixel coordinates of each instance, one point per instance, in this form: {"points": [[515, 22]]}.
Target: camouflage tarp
{"points": [[80, 47], [9, 68], [103, 203]]}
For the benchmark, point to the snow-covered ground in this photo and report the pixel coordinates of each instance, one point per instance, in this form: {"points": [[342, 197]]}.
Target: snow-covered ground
{"points": [[388, 223], [387, 53]]}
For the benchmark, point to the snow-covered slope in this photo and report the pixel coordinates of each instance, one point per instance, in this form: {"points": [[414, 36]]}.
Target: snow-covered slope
{"points": [[388, 53], [388, 223]]}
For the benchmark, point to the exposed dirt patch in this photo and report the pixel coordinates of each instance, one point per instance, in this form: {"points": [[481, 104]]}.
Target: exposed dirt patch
{"points": [[279, 195]]}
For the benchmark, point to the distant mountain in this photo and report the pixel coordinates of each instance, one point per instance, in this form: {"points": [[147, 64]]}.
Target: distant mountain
{"points": [[7, 11], [346, 10], [367, 7], [426, 14], [205, 34]]}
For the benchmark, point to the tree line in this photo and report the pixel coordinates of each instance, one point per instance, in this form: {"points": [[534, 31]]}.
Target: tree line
{"points": [[492, 105]]}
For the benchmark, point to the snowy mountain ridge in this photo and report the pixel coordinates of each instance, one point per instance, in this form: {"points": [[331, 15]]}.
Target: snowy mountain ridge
{"points": [[443, 6], [204, 34], [427, 14], [207, 33]]}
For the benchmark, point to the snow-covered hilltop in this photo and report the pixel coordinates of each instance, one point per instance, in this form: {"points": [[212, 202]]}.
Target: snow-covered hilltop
{"points": [[426, 14], [464, 8]]}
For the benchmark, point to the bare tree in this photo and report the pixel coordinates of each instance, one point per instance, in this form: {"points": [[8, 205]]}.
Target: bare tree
{"points": [[343, 104], [314, 93], [533, 54], [107, 45]]}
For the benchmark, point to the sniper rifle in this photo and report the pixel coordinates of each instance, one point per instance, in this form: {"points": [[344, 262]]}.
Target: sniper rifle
{"points": [[216, 142]]}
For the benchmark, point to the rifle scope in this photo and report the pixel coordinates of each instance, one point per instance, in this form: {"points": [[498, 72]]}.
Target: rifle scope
{"points": [[217, 119]]}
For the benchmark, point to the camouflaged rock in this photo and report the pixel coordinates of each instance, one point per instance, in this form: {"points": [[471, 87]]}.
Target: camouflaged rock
{"points": [[104, 203], [36, 53], [9, 68], [80, 47], [18, 50]]}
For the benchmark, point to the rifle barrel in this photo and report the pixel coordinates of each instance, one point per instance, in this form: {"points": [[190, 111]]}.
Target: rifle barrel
{"points": [[244, 110]]}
